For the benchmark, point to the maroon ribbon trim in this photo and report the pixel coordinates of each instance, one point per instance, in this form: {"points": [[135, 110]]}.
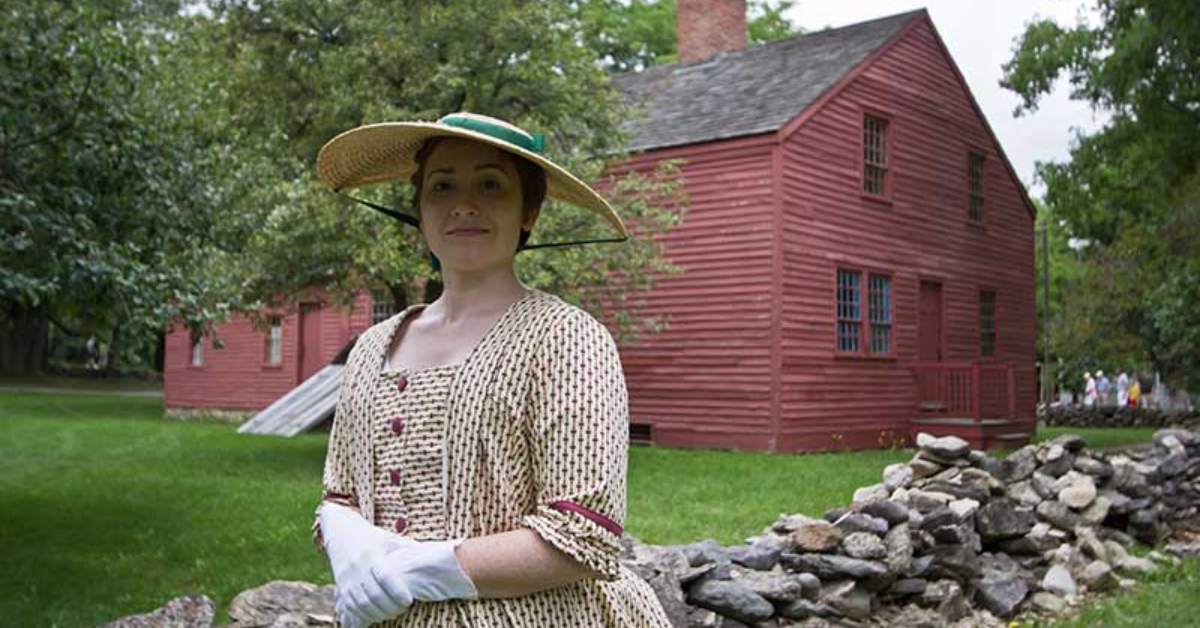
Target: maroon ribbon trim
{"points": [[601, 520]]}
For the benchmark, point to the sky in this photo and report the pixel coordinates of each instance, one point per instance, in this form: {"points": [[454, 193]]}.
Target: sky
{"points": [[980, 35]]}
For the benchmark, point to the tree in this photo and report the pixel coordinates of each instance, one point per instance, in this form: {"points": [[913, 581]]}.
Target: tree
{"points": [[308, 69], [109, 157], [1129, 191], [632, 35]]}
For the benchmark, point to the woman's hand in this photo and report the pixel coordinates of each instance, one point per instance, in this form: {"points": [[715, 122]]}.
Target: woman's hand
{"points": [[352, 545], [426, 571]]}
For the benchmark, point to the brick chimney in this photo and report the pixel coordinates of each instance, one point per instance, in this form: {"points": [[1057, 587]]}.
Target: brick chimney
{"points": [[707, 27]]}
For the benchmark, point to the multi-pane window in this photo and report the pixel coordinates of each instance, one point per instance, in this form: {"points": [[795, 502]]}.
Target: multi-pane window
{"points": [[987, 323], [198, 352], [382, 306], [874, 155], [849, 311], [975, 185], [880, 300], [852, 293], [275, 341]]}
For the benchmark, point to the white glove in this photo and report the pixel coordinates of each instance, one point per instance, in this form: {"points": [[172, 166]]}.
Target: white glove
{"points": [[352, 543], [426, 571]]}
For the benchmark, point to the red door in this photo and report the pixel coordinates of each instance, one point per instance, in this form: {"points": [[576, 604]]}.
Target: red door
{"points": [[310, 339], [929, 327]]}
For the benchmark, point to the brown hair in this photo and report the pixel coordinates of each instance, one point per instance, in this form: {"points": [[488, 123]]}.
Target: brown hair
{"points": [[530, 175]]}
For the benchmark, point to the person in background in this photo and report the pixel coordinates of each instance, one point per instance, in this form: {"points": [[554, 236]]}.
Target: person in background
{"points": [[1122, 389], [1103, 386], [1089, 390], [1135, 391]]}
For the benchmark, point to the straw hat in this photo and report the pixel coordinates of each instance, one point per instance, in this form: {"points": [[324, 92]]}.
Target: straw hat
{"points": [[375, 153]]}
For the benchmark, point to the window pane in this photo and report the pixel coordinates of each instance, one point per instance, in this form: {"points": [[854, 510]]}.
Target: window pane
{"points": [[874, 155], [198, 353], [382, 306], [849, 310], [880, 296], [987, 322], [275, 341]]}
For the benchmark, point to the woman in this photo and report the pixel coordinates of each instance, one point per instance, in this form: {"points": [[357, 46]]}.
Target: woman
{"points": [[476, 466]]}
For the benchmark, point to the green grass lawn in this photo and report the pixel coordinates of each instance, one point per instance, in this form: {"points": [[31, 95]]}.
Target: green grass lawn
{"points": [[1100, 437], [106, 509]]}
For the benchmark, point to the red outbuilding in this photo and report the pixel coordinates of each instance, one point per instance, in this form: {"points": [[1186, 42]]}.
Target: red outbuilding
{"points": [[857, 252]]}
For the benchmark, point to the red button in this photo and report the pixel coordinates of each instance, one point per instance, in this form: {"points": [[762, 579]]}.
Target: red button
{"points": [[395, 477], [397, 425], [401, 524], [401, 384]]}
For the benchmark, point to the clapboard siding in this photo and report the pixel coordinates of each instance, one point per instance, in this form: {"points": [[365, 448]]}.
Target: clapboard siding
{"points": [[922, 233], [237, 377], [705, 381]]}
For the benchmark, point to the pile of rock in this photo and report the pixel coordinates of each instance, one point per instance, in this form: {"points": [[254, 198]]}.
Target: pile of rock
{"points": [[954, 534], [1117, 416]]}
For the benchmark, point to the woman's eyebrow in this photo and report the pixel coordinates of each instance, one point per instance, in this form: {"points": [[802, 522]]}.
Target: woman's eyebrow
{"points": [[486, 166]]}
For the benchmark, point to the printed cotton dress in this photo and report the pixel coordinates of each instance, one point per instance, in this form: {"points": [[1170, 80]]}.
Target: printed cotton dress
{"points": [[408, 421]]}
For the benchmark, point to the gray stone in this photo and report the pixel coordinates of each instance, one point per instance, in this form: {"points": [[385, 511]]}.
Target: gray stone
{"points": [[1000, 519], [946, 596], [1098, 576], [832, 567], [190, 611], [898, 475], [943, 516], [1171, 466], [857, 522], [1087, 541], [1134, 565], [964, 508], [923, 468], [863, 545], [1069, 442], [870, 493], [1058, 580], [1096, 468], [1048, 602], [810, 583], [954, 561], [959, 489], [774, 586], [1020, 464], [732, 599], [946, 447], [816, 536], [928, 501], [899, 550], [1000, 592], [1058, 514], [758, 556], [262, 605], [1079, 494], [1045, 485], [887, 510], [1058, 461], [907, 586], [849, 599], [704, 552], [1097, 512], [806, 609]]}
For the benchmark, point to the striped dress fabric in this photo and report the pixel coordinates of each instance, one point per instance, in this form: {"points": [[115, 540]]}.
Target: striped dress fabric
{"points": [[551, 458]]}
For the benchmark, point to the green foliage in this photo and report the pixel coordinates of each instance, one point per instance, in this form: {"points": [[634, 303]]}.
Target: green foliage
{"points": [[632, 35], [306, 70], [1127, 197]]}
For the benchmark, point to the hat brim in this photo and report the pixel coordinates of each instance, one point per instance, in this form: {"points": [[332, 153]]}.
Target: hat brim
{"points": [[386, 151]]}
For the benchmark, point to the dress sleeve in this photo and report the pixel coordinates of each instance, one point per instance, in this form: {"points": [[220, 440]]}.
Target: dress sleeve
{"points": [[580, 442], [337, 481]]}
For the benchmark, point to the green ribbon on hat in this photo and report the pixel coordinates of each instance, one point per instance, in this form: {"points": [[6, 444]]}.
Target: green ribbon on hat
{"points": [[532, 142]]}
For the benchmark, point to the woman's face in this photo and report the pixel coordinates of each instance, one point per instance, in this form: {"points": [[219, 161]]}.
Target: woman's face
{"points": [[471, 205]]}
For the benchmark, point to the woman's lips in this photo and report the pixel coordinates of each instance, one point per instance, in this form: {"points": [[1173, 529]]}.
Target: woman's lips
{"points": [[468, 232]]}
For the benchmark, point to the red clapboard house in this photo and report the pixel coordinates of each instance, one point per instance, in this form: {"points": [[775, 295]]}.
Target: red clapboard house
{"points": [[857, 253]]}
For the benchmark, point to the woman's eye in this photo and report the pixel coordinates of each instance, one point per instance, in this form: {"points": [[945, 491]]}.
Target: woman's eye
{"points": [[491, 185], [442, 186]]}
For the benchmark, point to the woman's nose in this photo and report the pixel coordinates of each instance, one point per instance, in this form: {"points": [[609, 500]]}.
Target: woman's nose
{"points": [[465, 207]]}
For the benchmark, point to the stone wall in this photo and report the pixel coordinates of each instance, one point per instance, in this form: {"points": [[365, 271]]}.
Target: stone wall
{"points": [[1117, 416], [952, 536]]}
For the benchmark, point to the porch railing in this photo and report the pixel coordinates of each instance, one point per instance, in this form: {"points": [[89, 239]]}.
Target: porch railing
{"points": [[974, 390]]}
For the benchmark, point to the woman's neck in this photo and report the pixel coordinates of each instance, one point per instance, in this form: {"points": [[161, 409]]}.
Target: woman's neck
{"points": [[475, 295]]}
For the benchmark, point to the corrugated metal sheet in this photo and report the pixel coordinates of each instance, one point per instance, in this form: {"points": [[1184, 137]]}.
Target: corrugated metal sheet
{"points": [[304, 407]]}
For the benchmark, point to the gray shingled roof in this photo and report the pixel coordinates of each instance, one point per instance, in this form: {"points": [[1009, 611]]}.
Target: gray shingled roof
{"points": [[750, 91]]}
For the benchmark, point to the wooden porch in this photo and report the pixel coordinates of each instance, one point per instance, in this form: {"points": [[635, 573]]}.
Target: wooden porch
{"points": [[975, 401]]}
